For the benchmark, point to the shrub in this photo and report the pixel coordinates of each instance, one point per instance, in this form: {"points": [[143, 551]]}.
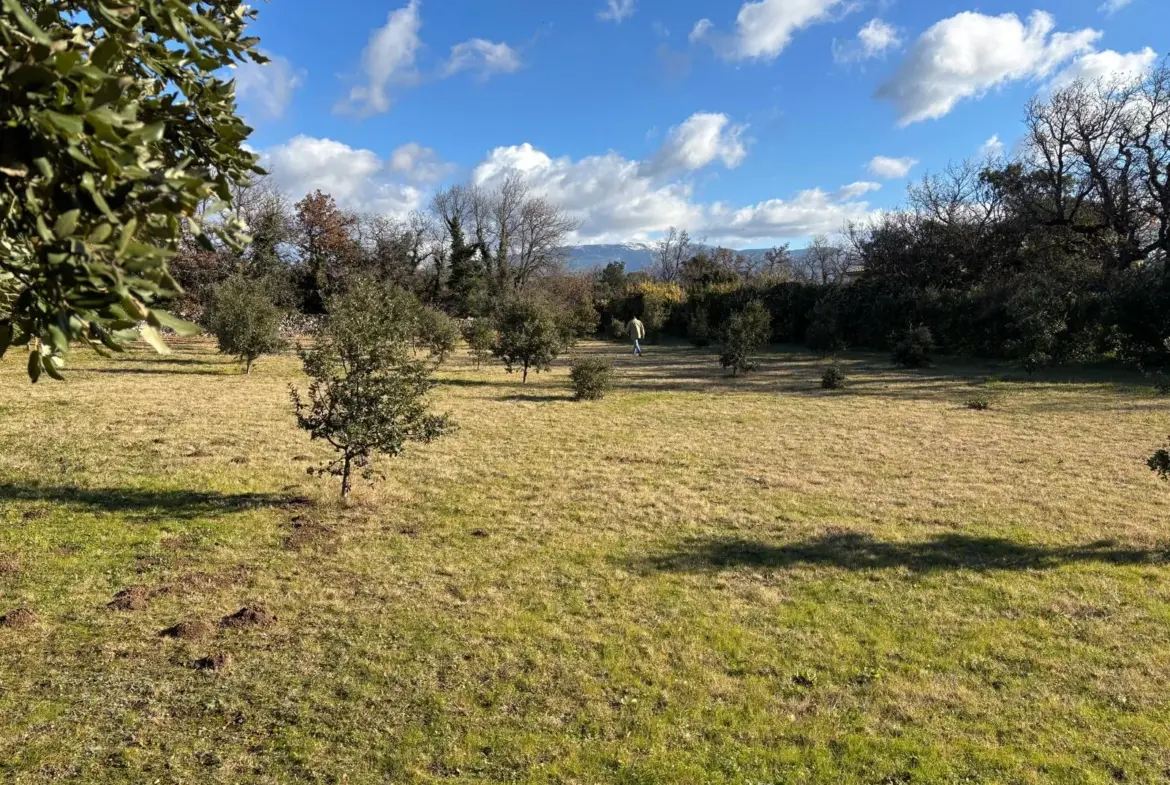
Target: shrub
{"points": [[1162, 384], [480, 337], [833, 378], [978, 403], [592, 378], [913, 349], [245, 321], [578, 322], [746, 332], [824, 329], [1159, 463], [698, 328], [655, 312], [438, 333], [617, 330], [367, 394], [528, 337]]}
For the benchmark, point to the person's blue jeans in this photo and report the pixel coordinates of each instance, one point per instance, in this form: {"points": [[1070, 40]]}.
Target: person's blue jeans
{"points": [[637, 347]]}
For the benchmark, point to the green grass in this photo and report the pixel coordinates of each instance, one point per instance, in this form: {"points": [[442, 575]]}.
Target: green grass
{"points": [[695, 580]]}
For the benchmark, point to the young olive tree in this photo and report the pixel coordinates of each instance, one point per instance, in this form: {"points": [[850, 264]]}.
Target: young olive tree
{"points": [[367, 393], [245, 321], [117, 126], [746, 332], [528, 337]]}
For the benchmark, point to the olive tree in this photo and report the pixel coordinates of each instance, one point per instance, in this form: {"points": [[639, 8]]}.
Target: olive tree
{"points": [[367, 393], [118, 132], [528, 337], [246, 323], [745, 333]]}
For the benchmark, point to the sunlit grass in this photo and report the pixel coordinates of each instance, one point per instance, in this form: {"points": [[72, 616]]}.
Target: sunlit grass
{"points": [[695, 580]]}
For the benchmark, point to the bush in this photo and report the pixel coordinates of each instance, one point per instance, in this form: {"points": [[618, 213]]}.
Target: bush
{"points": [[833, 378], [367, 394], [913, 349], [438, 333], [245, 321], [746, 332], [1159, 463], [480, 337], [528, 337], [698, 328], [617, 330], [578, 322], [824, 329], [978, 403], [592, 378], [655, 313]]}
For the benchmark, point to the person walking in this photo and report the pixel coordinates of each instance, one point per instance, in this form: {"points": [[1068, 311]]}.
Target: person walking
{"points": [[637, 332]]}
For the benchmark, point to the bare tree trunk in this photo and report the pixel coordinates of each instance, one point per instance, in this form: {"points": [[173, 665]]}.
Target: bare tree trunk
{"points": [[345, 484], [524, 380]]}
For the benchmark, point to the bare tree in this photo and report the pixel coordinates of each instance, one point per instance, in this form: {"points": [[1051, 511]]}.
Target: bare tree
{"points": [[671, 252]]}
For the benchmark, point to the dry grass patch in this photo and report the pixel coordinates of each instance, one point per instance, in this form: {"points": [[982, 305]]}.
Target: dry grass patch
{"points": [[696, 579]]}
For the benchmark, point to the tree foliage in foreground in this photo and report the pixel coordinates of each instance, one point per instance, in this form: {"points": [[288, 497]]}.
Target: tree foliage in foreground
{"points": [[367, 393], [116, 125]]}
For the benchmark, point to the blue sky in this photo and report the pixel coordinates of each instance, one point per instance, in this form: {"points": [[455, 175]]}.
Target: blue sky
{"points": [[748, 123]]}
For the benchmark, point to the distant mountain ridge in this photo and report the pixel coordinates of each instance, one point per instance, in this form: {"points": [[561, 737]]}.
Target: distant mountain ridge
{"points": [[637, 256]]}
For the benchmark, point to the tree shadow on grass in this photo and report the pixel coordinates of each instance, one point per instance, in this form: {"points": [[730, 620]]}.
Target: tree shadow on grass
{"points": [[152, 371], [141, 503], [854, 551], [535, 398]]}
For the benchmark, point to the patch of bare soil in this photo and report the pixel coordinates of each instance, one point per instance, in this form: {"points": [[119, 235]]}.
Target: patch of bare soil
{"points": [[308, 533], [213, 662], [19, 619], [188, 630], [132, 598], [248, 619], [9, 565], [240, 460]]}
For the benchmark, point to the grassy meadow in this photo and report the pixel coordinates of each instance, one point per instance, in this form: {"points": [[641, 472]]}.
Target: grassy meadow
{"points": [[696, 580]]}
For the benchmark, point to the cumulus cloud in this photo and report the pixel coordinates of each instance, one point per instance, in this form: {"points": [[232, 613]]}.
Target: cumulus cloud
{"points": [[1106, 65], [419, 164], [699, 141], [992, 148], [891, 168], [809, 213], [763, 28], [969, 54], [617, 200], [268, 87], [483, 57], [388, 59], [358, 179], [873, 40], [858, 189], [616, 11]]}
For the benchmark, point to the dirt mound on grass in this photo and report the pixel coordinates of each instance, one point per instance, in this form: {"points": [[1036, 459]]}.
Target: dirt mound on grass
{"points": [[9, 565], [19, 619], [248, 619], [132, 598], [188, 630], [213, 662]]}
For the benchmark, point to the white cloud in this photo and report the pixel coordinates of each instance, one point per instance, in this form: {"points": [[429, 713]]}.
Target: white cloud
{"points": [[389, 58], [1113, 6], [616, 200], [873, 40], [1106, 65], [891, 168], [763, 28], [357, 179], [858, 189], [268, 87], [969, 54], [992, 148], [701, 140], [484, 57], [616, 11], [419, 164], [810, 213]]}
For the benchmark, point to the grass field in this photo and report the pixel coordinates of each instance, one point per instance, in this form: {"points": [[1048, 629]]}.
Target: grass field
{"points": [[696, 580]]}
